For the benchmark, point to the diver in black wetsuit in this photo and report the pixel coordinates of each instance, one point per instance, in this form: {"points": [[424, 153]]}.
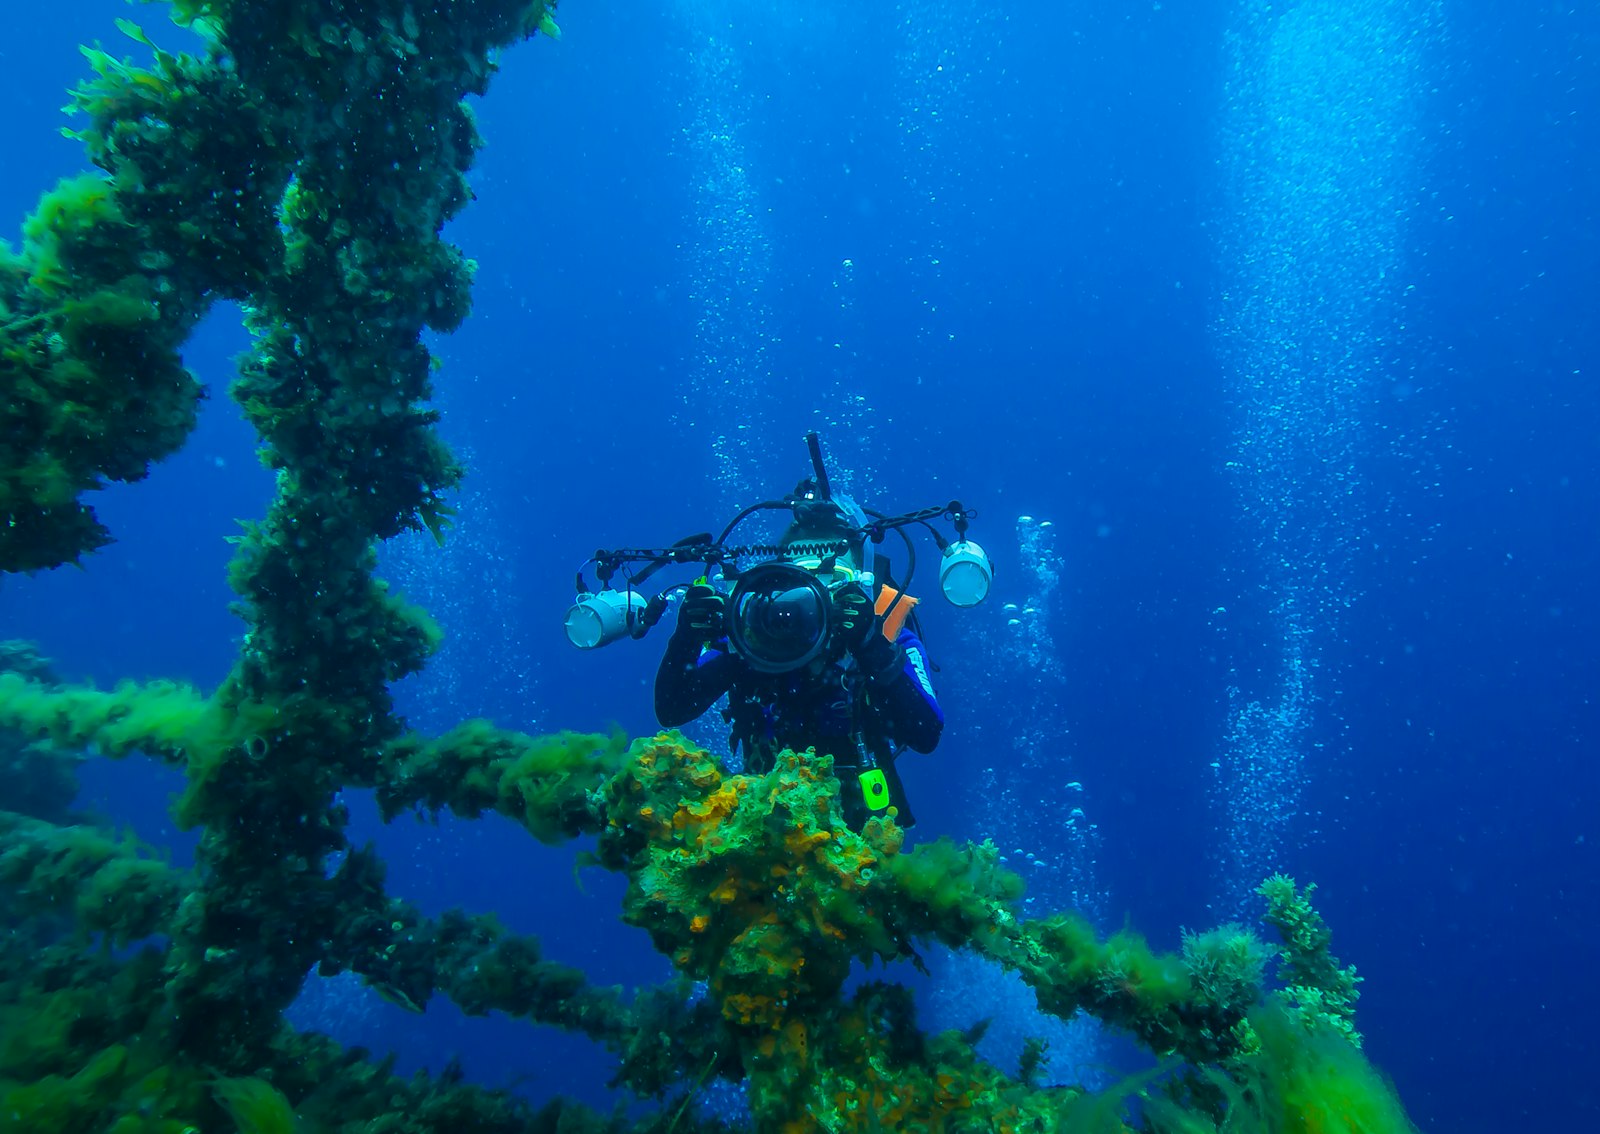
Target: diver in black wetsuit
{"points": [[862, 697], [810, 640]]}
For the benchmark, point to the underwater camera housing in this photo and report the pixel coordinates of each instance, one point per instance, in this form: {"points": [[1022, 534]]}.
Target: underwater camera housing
{"points": [[780, 608], [780, 617]]}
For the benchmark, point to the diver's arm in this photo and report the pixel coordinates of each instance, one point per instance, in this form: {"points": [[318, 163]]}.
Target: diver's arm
{"points": [[898, 683], [690, 679]]}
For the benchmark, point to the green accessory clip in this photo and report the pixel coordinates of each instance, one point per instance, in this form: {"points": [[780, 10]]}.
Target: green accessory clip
{"points": [[874, 789]]}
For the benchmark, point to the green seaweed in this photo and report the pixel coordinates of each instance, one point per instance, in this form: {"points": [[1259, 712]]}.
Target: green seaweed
{"points": [[256, 1106], [1317, 987]]}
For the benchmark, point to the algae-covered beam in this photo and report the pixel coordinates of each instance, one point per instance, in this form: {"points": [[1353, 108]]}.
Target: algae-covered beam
{"points": [[115, 269], [474, 960], [368, 97], [407, 957], [302, 164], [79, 1051], [545, 783], [754, 886], [37, 778], [115, 888]]}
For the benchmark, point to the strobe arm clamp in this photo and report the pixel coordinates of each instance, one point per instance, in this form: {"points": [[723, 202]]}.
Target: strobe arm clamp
{"points": [[960, 517], [654, 608]]}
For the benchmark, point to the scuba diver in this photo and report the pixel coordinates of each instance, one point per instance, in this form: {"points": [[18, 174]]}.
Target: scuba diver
{"points": [[813, 646], [861, 697]]}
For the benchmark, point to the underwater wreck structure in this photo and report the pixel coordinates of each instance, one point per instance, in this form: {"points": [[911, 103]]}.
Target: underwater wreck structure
{"points": [[302, 163]]}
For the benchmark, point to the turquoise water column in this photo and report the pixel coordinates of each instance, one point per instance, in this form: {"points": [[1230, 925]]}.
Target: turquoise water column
{"points": [[844, 410], [728, 258], [943, 50], [949, 68], [932, 60], [1029, 798], [1321, 165], [727, 265], [469, 584], [1053, 843]]}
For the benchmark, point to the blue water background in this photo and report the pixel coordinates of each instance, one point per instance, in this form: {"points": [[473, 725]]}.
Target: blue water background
{"points": [[1066, 359]]}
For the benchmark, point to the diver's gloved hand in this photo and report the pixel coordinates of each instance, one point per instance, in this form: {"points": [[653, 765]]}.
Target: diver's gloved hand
{"points": [[703, 613], [879, 658], [854, 619]]}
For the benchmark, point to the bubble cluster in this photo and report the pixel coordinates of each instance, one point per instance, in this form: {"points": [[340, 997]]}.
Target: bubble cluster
{"points": [[469, 585], [1076, 1055], [728, 260], [1057, 845], [843, 414], [1320, 156], [1032, 802], [340, 1006], [934, 60]]}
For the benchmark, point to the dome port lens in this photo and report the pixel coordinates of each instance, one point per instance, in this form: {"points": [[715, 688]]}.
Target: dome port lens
{"points": [[781, 617]]}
